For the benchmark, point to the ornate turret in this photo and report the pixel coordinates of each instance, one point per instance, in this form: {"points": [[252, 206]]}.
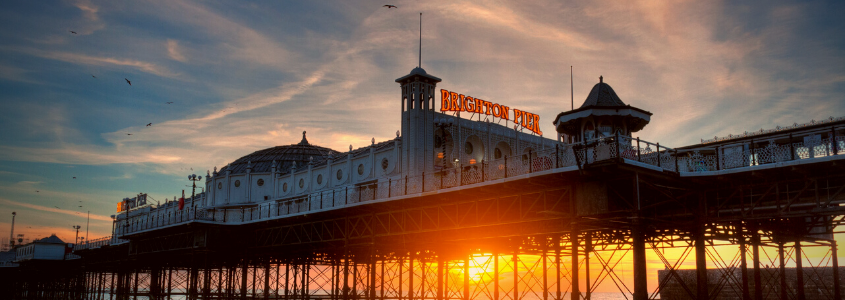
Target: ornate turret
{"points": [[418, 92], [603, 114]]}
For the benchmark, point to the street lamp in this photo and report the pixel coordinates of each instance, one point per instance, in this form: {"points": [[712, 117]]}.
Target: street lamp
{"points": [[76, 241], [12, 235], [194, 178], [443, 123]]}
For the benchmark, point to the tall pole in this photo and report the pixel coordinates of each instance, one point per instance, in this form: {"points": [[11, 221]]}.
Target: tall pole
{"points": [[571, 89], [419, 64], [75, 241], [12, 235], [88, 222]]}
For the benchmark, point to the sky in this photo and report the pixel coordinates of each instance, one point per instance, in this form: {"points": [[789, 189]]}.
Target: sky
{"points": [[218, 80]]}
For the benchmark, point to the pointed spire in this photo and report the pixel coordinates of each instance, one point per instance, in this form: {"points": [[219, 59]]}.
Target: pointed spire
{"points": [[304, 141]]}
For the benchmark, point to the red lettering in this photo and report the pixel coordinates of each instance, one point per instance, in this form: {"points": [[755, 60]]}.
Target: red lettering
{"points": [[455, 106], [444, 100]]}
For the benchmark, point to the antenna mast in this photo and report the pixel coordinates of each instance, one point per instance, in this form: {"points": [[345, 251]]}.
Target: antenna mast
{"points": [[419, 64], [571, 89]]}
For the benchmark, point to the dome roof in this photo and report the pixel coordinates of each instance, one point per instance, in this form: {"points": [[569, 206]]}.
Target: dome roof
{"points": [[285, 157], [416, 73], [602, 95], [602, 102]]}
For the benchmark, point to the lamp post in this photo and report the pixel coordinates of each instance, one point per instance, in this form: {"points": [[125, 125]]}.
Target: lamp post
{"points": [[194, 178], [76, 240], [443, 124], [12, 235]]}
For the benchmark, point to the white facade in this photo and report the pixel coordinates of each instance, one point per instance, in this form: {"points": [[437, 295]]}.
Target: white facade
{"points": [[430, 143], [50, 248]]}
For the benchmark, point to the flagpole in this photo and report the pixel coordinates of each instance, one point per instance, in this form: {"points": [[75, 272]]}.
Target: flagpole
{"points": [[86, 225]]}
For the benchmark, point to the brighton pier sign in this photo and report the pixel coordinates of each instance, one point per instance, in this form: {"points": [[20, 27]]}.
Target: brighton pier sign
{"points": [[451, 101]]}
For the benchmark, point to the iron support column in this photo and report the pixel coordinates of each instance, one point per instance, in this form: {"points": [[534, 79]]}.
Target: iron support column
{"points": [[244, 274], [783, 286], [439, 276], [496, 275], [640, 270], [411, 276], [588, 247], [837, 293], [267, 280], [758, 283], [466, 278], [557, 267], [573, 241], [545, 256], [799, 271], [515, 272], [701, 264], [193, 294], [743, 264]]}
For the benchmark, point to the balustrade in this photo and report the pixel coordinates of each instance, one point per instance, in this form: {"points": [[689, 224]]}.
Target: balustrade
{"points": [[618, 147]]}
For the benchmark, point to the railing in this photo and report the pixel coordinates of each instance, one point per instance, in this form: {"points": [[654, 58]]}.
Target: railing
{"points": [[748, 155], [97, 243], [619, 148], [561, 156]]}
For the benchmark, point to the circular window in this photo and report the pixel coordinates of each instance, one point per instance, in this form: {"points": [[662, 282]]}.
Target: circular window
{"points": [[384, 163], [339, 174], [219, 185], [302, 182], [237, 183], [497, 153], [361, 169], [320, 179], [285, 187], [468, 148], [260, 182]]}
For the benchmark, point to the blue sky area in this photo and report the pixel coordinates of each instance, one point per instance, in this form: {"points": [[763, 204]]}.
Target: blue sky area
{"points": [[244, 76]]}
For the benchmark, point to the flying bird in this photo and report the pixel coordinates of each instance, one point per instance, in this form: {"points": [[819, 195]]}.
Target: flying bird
{"points": [[74, 177], [127, 81], [92, 75], [390, 6], [56, 207], [80, 206], [149, 124], [71, 31], [128, 134], [169, 102]]}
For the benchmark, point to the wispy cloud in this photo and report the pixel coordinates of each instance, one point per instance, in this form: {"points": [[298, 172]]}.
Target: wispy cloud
{"points": [[78, 58], [54, 210], [92, 18], [174, 51]]}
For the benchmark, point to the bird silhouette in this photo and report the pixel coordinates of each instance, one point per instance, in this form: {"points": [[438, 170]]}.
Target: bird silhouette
{"points": [[128, 134], [74, 177], [56, 206], [71, 31], [127, 81], [92, 75], [80, 206], [389, 6], [169, 102], [149, 124], [36, 191]]}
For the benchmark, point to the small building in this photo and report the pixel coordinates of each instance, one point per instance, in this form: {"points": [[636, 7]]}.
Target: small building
{"points": [[49, 248], [7, 259]]}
